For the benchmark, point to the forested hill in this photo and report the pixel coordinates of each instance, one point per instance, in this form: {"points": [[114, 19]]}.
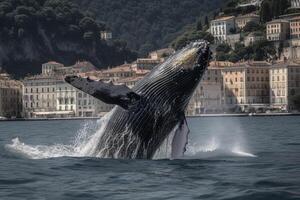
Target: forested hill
{"points": [[33, 32], [149, 24]]}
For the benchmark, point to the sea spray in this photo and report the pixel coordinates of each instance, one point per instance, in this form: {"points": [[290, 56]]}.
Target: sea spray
{"points": [[83, 145], [218, 138]]}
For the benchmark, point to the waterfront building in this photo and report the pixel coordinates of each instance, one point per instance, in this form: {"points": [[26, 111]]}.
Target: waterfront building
{"points": [[242, 20], [246, 86], [88, 106], [284, 85], [40, 96], [278, 30], [208, 96], [222, 27], [10, 97]]}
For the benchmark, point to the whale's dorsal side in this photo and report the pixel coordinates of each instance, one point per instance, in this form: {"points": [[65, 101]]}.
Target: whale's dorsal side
{"points": [[109, 93]]}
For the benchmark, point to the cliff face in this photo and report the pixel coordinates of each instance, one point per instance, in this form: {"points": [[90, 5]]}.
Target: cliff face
{"points": [[35, 32]]}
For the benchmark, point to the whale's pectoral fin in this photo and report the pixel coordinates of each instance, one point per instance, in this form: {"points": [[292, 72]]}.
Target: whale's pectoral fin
{"points": [[180, 140], [107, 92]]}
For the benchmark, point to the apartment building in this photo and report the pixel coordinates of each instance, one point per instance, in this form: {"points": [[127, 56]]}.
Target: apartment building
{"points": [[284, 85], [295, 28], [208, 96], [278, 30], [10, 97], [246, 86], [220, 28], [39, 96]]}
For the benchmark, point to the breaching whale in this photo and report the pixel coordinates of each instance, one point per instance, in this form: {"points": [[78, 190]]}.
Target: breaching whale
{"points": [[145, 115]]}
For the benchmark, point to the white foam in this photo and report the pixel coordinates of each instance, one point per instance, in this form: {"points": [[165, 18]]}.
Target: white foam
{"points": [[84, 144]]}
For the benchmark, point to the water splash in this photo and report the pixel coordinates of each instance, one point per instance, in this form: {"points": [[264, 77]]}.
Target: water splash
{"points": [[84, 144], [215, 142]]}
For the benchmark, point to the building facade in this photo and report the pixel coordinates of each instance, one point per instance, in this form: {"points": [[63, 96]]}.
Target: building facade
{"points": [[285, 84], [278, 30], [295, 28], [208, 96], [221, 28], [241, 21], [246, 86], [10, 97], [295, 3]]}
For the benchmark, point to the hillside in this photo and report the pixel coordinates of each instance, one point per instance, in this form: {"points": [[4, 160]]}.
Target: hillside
{"points": [[149, 25], [33, 32]]}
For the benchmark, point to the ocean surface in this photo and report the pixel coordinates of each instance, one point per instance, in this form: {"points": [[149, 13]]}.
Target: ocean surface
{"points": [[246, 158]]}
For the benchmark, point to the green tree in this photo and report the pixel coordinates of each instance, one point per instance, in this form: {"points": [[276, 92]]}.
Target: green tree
{"points": [[199, 25], [265, 12]]}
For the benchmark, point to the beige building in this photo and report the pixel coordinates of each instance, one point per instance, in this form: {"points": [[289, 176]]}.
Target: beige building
{"points": [[221, 28], [208, 97], [278, 30], [246, 86], [295, 28], [10, 97], [284, 85], [241, 21]]}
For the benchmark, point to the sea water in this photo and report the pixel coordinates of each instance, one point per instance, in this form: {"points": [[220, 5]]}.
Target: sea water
{"points": [[226, 158]]}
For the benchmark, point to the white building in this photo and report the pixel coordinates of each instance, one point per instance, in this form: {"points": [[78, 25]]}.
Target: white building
{"points": [[295, 3], [221, 28], [284, 85]]}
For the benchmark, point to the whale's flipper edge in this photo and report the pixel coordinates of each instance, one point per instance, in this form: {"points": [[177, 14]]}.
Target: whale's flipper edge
{"points": [[109, 93], [180, 140]]}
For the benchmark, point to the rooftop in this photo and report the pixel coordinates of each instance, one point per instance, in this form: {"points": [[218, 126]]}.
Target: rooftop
{"points": [[224, 18]]}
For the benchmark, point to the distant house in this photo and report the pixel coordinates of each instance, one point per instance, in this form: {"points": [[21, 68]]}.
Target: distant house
{"points": [[106, 35], [278, 30], [220, 28]]}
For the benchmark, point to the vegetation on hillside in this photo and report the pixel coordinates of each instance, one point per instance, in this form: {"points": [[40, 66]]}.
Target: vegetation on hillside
{"points": [[149, 25], [35, 31], [271, 9], [259, 51]]}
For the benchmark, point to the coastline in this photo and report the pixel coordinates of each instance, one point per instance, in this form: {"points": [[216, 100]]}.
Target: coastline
{"points": [[189, 116]]}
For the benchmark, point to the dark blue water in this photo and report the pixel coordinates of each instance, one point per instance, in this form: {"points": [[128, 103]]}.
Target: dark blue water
{"points": [[228, 158]]}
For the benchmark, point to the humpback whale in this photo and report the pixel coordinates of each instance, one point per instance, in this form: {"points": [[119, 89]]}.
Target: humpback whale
{"points": [[147, 114]]}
